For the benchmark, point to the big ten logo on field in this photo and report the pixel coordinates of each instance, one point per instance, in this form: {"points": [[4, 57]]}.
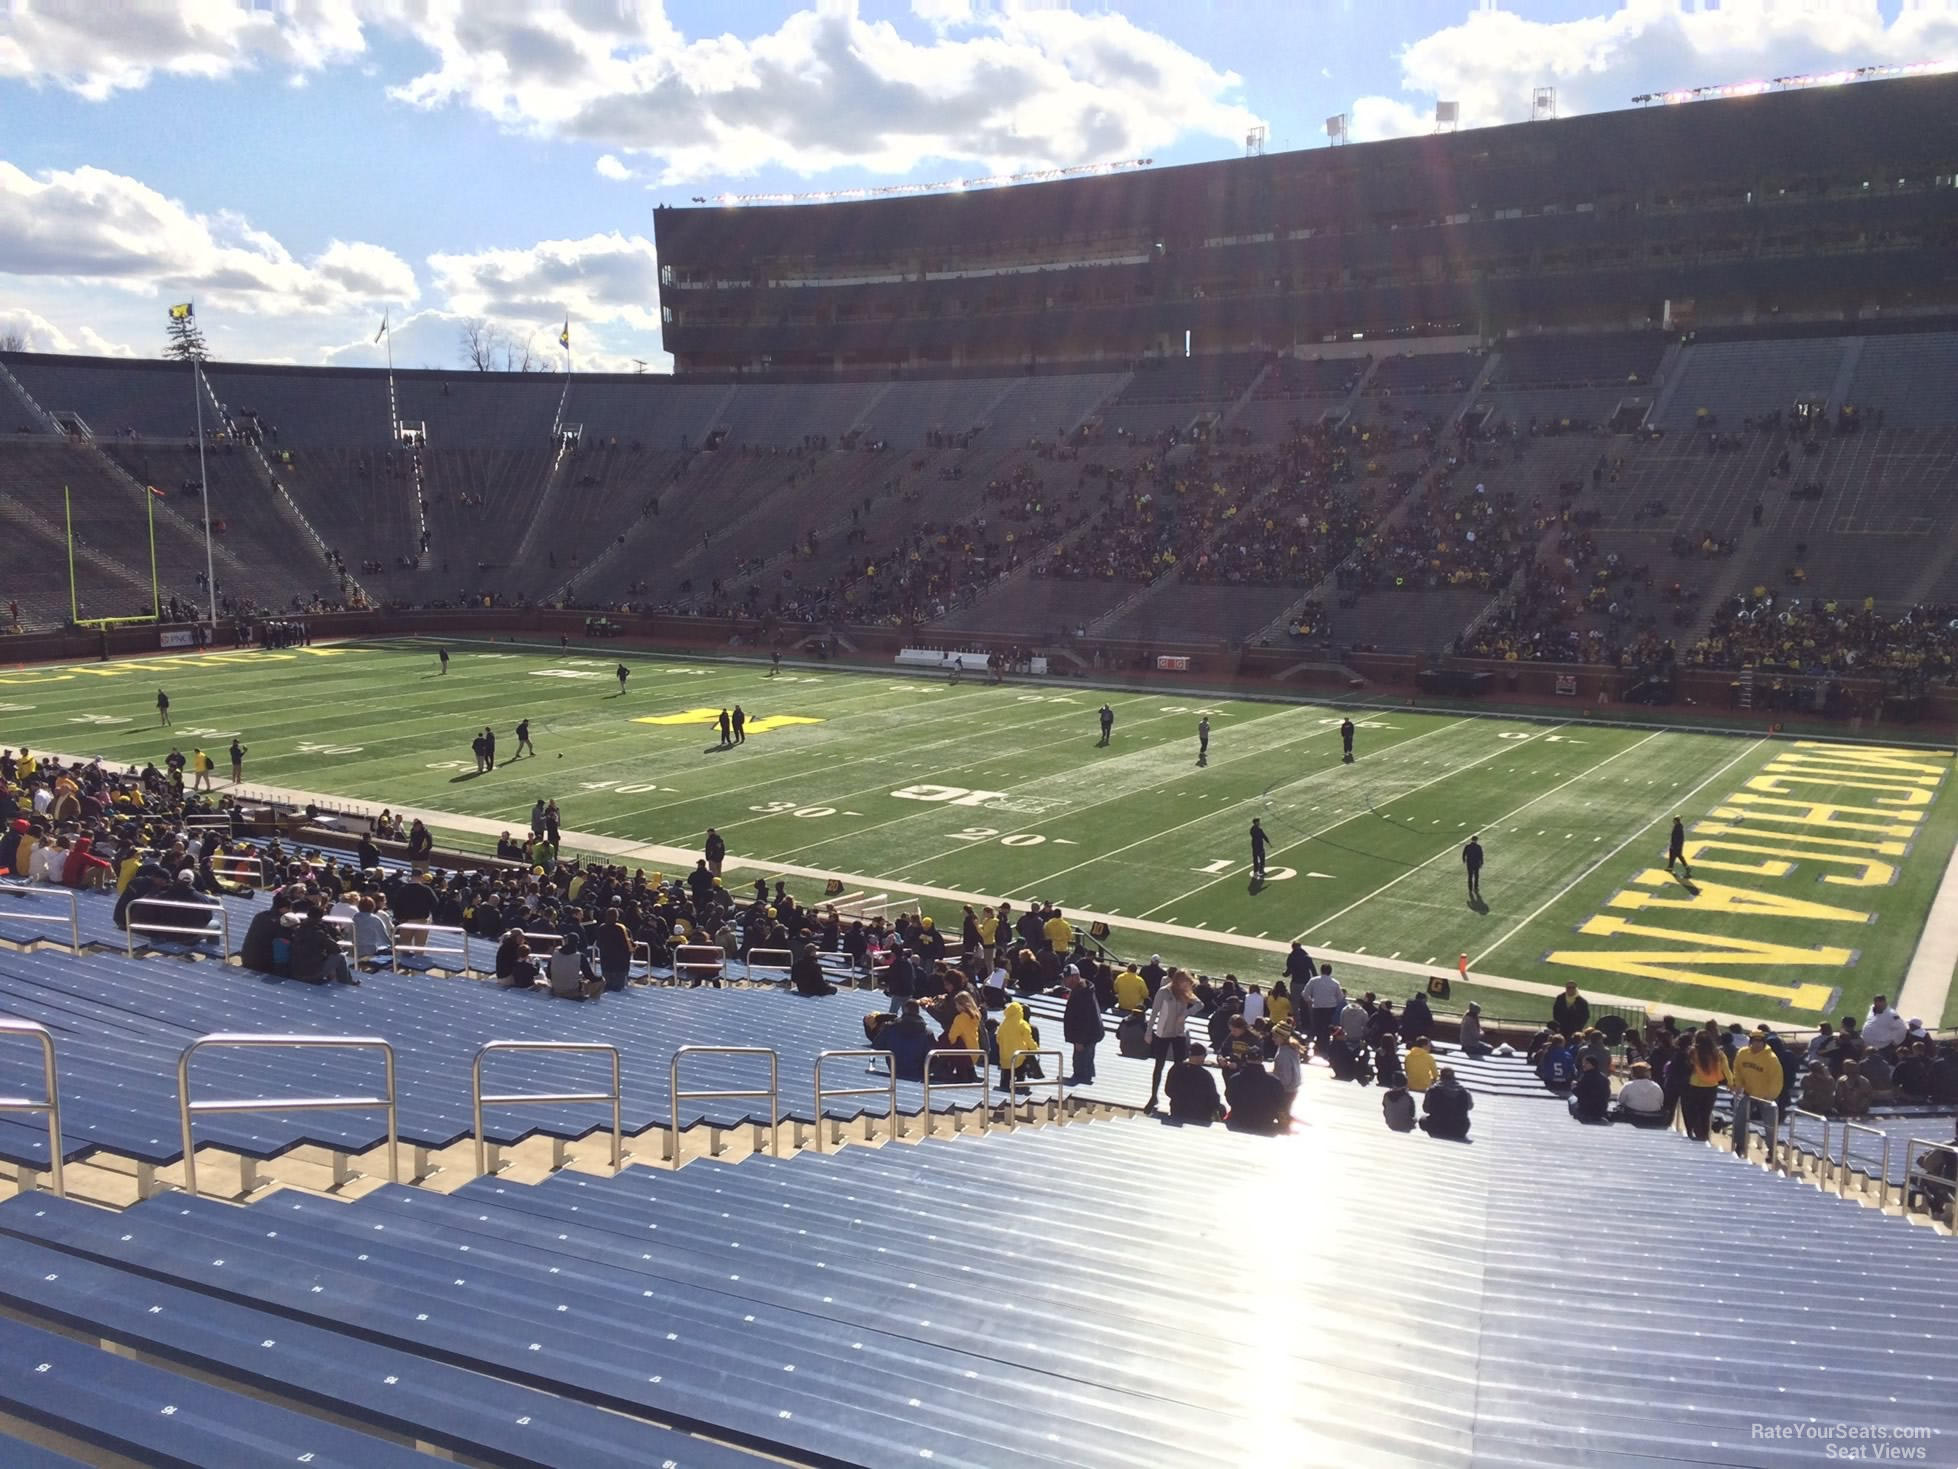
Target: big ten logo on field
{"points": [[1798, 848], [758, 724]]}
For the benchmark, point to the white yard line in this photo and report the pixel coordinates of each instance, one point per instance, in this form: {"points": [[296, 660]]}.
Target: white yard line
{"points": [[1507, 816], [1608, 856]]}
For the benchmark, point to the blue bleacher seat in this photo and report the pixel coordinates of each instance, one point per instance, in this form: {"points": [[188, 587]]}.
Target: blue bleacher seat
{"points": [[156, 1417], [384, 1390]]}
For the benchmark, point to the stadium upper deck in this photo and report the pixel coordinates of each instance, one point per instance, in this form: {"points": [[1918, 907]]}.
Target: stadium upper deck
{"points": [[1834, 202]]}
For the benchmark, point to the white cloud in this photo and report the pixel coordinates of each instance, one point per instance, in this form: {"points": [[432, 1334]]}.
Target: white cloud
{"points": [[1491, 61], [96, 51], [942, 15], [41, 335], [1018, 88], [601, 278], [90, 225], [609, 167]]}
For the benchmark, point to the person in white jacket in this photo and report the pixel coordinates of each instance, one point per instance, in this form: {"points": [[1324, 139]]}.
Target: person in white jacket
{"points": [[1323, 998], [1884, 1027], [1169, 1038]]}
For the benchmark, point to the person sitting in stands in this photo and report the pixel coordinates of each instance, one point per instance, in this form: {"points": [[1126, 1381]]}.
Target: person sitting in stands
{"points": [[256, 951], [515, 969], [1446, 1108], [83, 868], [1419, 1065], [1878, 1072], [1397, 1109], [1347, 1063], [1192, 1090], [570, 972], [1853, 1091], [1818, 1089], [316, 956], [1257, 1100], [806, 974], [373, 934], [1471, 1032], [908, 1039], [1590, 1099], [1912, 1078], [964, 1031], [1642, 1101], [1558, 1068]]}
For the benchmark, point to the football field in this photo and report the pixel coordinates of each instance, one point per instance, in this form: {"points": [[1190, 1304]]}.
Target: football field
{"points": [[1815, 864]]}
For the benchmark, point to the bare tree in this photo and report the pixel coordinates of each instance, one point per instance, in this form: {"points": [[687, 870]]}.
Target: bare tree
{"points": [[477, 338], [13, 340], [521, 356]]}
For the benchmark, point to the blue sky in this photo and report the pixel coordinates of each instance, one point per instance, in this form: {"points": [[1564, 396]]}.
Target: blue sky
{"points": [[299, 167]]}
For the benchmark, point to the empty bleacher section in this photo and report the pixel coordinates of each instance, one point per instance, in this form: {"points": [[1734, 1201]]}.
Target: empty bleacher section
{"points": [[1195, 379], [277, 560], [43, 477], [1427, 373], [1912, 377], [1732, 381], [1578, 361], [1311, 377]]}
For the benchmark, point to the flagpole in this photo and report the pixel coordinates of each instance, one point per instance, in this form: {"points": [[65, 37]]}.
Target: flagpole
{"points": [[204, 484], [156, 596], [74, 601]]}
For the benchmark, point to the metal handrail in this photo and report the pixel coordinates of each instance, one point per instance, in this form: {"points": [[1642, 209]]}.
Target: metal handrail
{"points": [[233, 1040], [132, 924], [507, 1099], [1790, 1143], [50, 1104], [676, 1096], [984, 1084], [889, 1088], [1057, 1081], [786, 964], [351, 942], [12, 890], [405, 945], [1842, 1163], [244, 869], [717, 968], [1912, 1172]]}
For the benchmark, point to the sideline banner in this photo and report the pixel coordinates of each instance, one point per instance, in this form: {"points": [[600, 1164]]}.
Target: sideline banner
{"points": [[178, 637]]}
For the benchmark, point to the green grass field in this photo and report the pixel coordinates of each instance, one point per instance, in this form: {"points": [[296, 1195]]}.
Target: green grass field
{"points": [[909, 788]]}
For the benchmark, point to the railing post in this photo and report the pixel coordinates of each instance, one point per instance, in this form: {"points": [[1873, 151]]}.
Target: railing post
{"points": [[676, 1096], [479, 1100], [888, 1089], [50, 1103], [230, 1040], [984, 1084], [1945, 1183], [39, 895]]}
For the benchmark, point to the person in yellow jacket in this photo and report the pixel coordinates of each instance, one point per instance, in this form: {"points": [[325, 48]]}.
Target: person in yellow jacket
{"points": [[201, 766], [1131, 991], [1060, 933], [1757, 1077], [1015, 1040], [1420, 1065], [1278, 1006]]}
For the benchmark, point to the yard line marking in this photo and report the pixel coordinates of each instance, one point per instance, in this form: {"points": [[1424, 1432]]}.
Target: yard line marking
{"points": [[1608, 856], [1446, 850]]}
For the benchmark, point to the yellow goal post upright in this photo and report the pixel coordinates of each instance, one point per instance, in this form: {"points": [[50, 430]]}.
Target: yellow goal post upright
{"points": [[74, 593]]}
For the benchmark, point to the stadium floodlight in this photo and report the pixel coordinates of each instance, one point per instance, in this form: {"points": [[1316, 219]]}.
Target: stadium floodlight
{"points": [[1336, 129], [1543, 104], [1447, 114], [1800, 81]]}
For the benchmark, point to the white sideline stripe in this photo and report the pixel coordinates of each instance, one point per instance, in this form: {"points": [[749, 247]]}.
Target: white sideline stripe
{"points": [[1927, 983], [1608, 856], [674, 859]]}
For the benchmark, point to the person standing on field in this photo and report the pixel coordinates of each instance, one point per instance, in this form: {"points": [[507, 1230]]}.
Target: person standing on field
{"points": [[1676, 849], [1257, 849], [1346, 740], [1472, 864], [1107, 724], [237, 762], [1203, 740], [162, 707]]}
